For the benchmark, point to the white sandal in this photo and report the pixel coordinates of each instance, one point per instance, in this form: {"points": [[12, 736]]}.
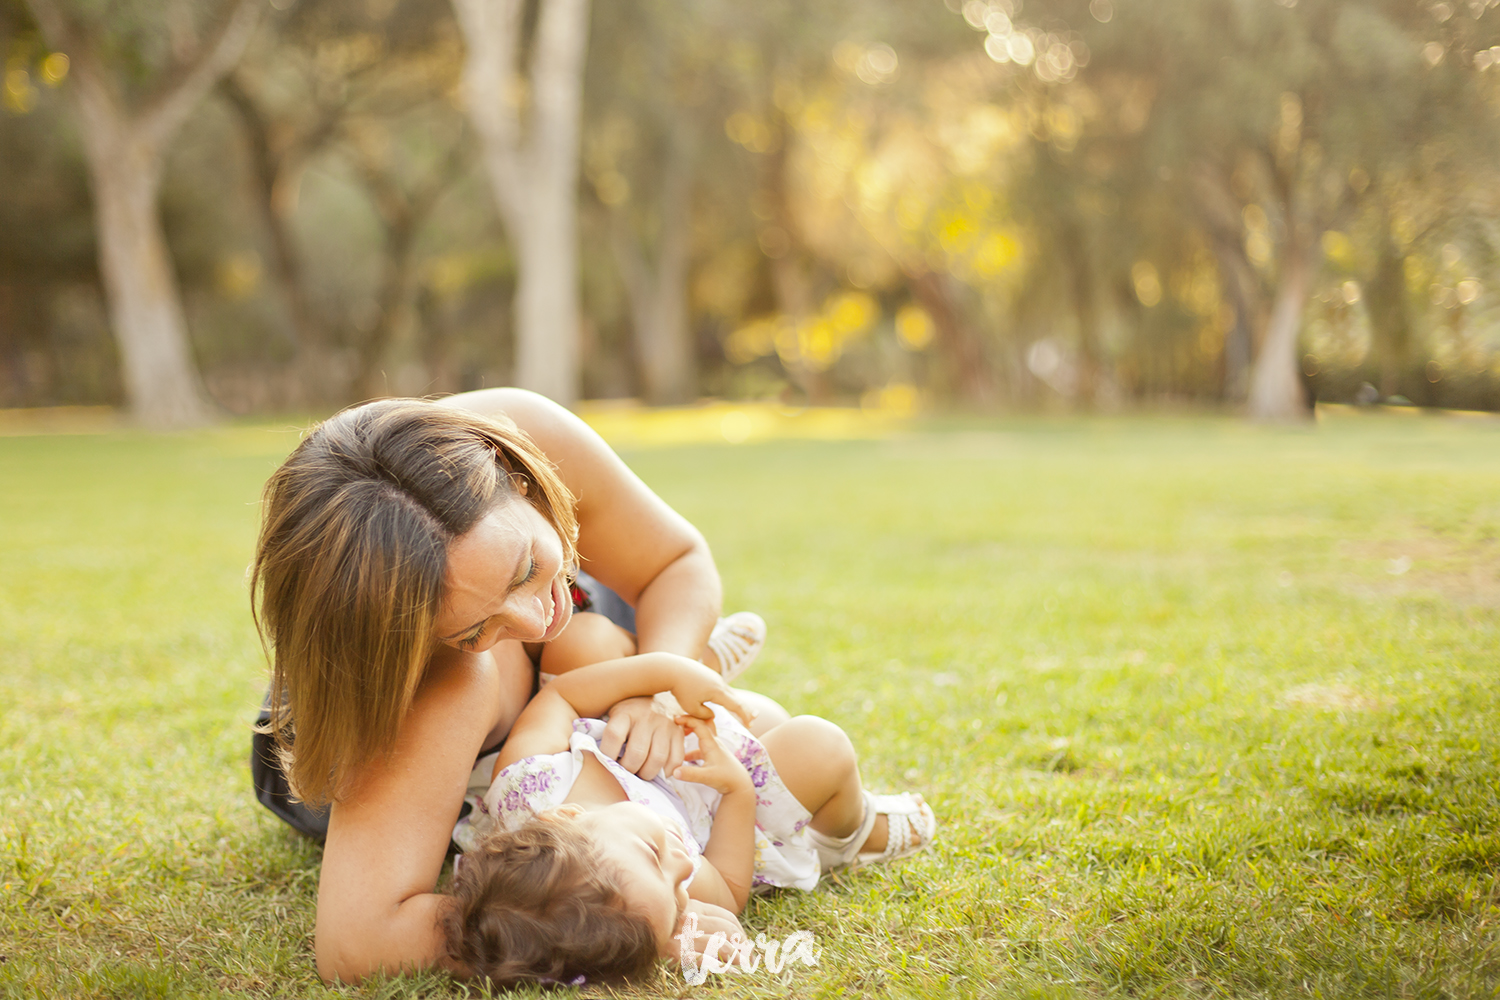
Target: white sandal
{"points": [[737, 641], [910, 827]]}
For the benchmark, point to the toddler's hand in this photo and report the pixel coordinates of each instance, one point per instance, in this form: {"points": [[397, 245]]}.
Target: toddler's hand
{"points": [[719, 769], [701, 922], [694, 684]]}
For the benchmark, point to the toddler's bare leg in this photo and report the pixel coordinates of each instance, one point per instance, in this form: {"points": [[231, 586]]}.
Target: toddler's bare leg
{"points": [[768, 712], [818, 763], [589, 638]]}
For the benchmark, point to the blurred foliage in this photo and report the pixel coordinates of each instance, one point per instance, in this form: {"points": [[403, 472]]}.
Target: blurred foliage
{"points": [[1056, 203]]}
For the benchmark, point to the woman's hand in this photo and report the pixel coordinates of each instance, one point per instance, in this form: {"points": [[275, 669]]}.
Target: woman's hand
{"points": [[650, 740], [717, 767]]}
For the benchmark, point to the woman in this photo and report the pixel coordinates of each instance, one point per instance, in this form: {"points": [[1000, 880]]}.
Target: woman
{"points": [[411, 554]]}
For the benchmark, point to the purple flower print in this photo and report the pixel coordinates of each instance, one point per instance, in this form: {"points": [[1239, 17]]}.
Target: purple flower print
{"points": [[759, 775], [512, 800]]}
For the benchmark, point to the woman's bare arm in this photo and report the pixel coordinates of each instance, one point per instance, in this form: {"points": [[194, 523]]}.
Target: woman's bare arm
{"points": [[387, 839]]}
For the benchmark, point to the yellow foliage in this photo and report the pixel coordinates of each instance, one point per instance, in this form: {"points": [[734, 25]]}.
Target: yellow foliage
{"points": [[911, 212], [816, 342], [749, 131], [978, 197], [754, 340], [956, 234], [723, 282], [1197, 288], [1147, 282], [914, 327], [238, 275], [1338, 248], [996, 252], [851, 312], [55, 69], [20, 95], [899, 399]]}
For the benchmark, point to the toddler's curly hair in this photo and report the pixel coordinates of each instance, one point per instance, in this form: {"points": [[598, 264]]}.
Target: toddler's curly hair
{"points": [[536, 905]]}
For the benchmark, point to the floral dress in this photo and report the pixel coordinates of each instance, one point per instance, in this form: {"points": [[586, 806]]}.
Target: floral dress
{"points": [[784, 854]]}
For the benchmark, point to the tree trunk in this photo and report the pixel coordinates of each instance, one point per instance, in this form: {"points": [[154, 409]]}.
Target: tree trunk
{"points": [[1242, 288], [403, 214], [1276, 392], [370, 381], [789, 272], [534, 175], [663, 340], [961, 343], [267, 176], [145, 307], [1073, 240], [1221, 212], [1390, 318], [124, 152]]}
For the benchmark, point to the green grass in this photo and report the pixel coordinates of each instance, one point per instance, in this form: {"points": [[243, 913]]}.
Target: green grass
{"points": [[1204, 710]]}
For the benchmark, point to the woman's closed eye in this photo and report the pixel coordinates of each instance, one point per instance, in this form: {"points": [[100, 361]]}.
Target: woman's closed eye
{"points": [[472, 639], [530, 574]]}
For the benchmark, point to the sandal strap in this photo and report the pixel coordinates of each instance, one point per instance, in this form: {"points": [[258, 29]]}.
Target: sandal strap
{"points": [[911, 826], [737, 640]]}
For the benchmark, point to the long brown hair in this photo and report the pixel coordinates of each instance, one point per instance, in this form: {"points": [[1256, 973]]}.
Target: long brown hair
{"points": [[536, 905], [348, 573]]}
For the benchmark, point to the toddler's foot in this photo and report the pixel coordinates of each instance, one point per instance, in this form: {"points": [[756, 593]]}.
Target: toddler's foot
{"points": [[894, 826]]}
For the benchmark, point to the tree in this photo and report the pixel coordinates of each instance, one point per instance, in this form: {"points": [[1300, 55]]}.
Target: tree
{"points": [[1276, 117], [653, 101], [528, 129], [125, 142], [402, 209], [366, 86]]}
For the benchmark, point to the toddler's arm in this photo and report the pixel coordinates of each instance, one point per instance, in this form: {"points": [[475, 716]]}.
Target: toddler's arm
{"points": [[547, 721], [726, 879]]}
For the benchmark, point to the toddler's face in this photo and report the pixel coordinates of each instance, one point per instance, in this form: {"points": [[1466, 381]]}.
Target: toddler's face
{"points": [[654, 864]]}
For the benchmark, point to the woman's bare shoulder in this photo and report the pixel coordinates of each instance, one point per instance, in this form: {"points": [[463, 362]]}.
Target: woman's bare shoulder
{"points": [[549, 424]]}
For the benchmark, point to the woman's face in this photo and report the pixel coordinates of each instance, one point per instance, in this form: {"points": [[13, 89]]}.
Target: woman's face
{"points": [[505, 580]]}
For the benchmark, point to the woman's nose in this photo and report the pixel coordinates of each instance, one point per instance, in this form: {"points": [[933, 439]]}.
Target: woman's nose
{"points": [[529, 617]]}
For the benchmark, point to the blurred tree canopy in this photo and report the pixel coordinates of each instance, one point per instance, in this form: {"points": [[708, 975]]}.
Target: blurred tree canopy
{"points": [[1023, 203]]}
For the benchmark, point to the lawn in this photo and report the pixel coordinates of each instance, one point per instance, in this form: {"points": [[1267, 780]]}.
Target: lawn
{"points": [[1204, 709]]}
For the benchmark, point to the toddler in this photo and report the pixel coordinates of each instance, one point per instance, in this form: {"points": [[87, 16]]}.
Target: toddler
{"points": [[574, 867]]}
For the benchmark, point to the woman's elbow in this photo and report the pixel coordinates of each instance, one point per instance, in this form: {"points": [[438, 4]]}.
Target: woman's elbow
{"points": [[336, 964], [348, 950], [348, 955]]}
